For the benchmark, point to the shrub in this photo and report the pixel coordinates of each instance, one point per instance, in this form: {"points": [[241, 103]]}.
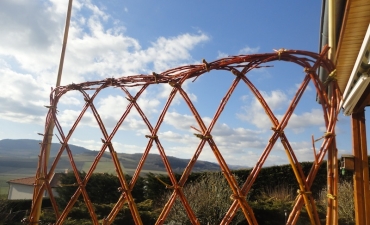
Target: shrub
{"points": [[209, 198], [102, 188], [13, 211], [272, 204], [346, 206]]}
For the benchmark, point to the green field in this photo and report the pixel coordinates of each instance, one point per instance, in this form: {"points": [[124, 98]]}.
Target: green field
{"points": [[14, 168], [25, 165]]}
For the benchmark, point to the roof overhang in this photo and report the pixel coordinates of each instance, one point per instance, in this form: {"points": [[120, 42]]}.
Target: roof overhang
{"points": [[359, 78], [350, 54]]}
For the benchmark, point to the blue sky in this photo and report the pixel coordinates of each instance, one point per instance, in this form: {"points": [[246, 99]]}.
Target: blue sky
{"points": [[121, 38]]}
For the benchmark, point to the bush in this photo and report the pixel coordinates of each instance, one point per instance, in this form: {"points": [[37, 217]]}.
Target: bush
{"points": [[272, 204], [283, 174], [209, 198], [346, 205], [102, 188]]}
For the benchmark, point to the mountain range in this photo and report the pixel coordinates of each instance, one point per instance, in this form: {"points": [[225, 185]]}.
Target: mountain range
{"points": [[23, 153]]}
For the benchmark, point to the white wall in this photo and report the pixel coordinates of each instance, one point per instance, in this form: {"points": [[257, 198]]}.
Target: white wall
{"points": [[21, 191]]}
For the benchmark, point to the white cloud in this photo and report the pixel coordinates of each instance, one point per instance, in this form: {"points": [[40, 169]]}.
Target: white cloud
{"points": [[244, 51], [112, 106], [166, 89], [68, 116], [173, 51], [98, 47], [110, 111], [230, 141], [179, 121], [95, 144], [238, 140], [89, 144], [221, 55], [233, 153], [30, 36], [31, 45], [178, 138], [307, 119], [70, 100], [109, 53], [248, 50], [254, 113], [277, 101], [22, 98], [304, 151]]}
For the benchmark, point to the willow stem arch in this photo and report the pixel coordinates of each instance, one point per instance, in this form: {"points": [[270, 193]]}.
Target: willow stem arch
{"points": [[238, 66]]}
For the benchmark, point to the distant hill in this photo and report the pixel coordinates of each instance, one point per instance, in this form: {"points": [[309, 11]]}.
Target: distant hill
{"points": [[23, 153], [18, 158], [31, 148]]}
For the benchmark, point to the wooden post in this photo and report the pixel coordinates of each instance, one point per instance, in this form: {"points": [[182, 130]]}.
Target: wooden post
{"points": [[44, 158], [332, 186], [361, 171]]}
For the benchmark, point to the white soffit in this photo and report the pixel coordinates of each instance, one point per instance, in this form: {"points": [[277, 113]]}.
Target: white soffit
{"points": [[357, 83]]}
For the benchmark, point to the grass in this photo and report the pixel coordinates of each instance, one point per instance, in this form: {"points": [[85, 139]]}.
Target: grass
{"points": [[108, 167], [15, 167], [18, 167], [279, 192], [3, 196], [4, 192], [102, 167]]}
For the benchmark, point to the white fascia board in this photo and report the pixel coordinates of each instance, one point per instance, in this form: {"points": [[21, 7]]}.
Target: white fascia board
{"points": [[349, 95], [356, 93], [365, 45]]}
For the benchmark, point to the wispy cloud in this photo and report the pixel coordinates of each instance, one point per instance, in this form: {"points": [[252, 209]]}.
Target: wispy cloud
{"points": [[244, 51], [254, 113], [248, 50]]}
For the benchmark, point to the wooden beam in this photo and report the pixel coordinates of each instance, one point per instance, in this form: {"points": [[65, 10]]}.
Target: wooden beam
{"points": [[363, 101], [361, 172]]}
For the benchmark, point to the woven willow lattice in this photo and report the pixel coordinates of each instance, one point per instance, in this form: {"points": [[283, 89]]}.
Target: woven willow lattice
{"points": [[238, 66]]}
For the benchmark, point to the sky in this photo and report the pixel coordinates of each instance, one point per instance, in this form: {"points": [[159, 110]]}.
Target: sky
{"points": [[122, 38]]}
